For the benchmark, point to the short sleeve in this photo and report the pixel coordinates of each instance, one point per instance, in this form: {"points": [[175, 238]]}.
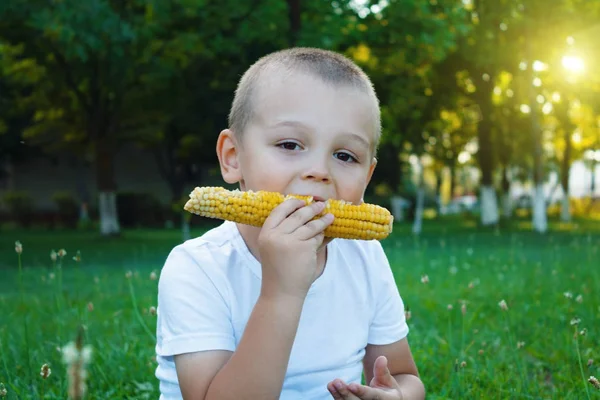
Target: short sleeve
{"points": [[389, 322], [193, 314]]}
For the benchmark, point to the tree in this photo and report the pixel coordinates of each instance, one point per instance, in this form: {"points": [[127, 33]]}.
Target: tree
{"points": [[102, 61]]}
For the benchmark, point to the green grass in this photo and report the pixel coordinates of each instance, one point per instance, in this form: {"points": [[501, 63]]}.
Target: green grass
{"points": [[465, 265]]}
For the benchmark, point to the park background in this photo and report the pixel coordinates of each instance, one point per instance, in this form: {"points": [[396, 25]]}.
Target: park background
{"points": [[490, 161]]}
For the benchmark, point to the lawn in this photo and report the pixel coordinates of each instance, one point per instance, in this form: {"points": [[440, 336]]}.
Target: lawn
{"points": [[543, 345]]}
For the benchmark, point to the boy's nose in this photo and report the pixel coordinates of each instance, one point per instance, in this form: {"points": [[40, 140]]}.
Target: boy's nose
{"points": [[317, 173]]}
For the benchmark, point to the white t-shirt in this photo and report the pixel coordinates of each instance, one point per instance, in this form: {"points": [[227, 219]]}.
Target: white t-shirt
{"points": [[208, 288]]}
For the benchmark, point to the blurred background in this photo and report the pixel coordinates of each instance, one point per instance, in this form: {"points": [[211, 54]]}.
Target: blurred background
{"points": [[109, 110], [490, 162]]}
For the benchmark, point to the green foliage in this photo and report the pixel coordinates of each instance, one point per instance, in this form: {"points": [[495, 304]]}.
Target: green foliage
{"points": [[19, 205], [140, 210], [68, 208]]}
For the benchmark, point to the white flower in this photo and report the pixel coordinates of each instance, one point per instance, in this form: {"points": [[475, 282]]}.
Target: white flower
{"points": [[45, 371], [503, 306]]}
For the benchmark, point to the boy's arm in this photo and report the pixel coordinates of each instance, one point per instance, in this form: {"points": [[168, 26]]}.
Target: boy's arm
{"points": [[390, 372], [257, 368], [401, 366]]}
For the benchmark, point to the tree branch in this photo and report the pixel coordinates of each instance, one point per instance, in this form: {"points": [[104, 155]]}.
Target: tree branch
{"points": [[62, 62]]}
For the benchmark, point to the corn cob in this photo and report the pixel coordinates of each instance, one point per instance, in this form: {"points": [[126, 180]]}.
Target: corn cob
{"points": [[364, 221]]}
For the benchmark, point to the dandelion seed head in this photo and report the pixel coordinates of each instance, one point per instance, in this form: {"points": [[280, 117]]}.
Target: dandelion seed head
{"points": [[53, 255], [425, 279], [594, 381], [568, 295], [449, 307], [520, 345], [503, 306], [61, 253], [128, 274], [590, 362], [3, 391], [583, 332], [463, 364], [152, 310], [575, 321], [152, 276], [45, 371], [18, 247], [579, 299]]}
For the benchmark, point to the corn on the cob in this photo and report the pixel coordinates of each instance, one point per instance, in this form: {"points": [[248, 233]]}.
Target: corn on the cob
{"points": [[364, 221]]}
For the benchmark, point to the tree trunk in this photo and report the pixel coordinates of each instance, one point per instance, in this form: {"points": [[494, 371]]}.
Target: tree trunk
{"points": [[565, 209], [540, 222], [10, 174], [84, 195], [485, 154], [438, 190], [507, 203], [105, 177], [418, 223], [489, 206], [452, 179], [185, 226]]}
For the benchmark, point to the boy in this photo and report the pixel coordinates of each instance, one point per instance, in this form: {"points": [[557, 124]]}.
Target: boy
{"points": [[280, 311]]}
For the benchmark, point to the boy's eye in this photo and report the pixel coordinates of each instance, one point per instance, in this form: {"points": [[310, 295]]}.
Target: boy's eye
{"points": [[345, 157], [288, 145]]}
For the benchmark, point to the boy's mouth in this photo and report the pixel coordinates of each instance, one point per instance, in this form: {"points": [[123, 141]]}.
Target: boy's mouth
{"points": [[315, 198]]}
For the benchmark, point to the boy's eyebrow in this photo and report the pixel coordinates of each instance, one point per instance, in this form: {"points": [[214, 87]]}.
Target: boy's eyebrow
{"points": [[297, 124]]}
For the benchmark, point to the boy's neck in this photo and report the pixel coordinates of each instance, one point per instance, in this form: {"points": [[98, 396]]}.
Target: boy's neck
{"points": [[250, 236]]}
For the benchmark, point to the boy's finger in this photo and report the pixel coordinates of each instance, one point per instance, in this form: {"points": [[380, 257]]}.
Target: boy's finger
{"points": [[300, 217], [334, 393], [341, 389], [281, 212], [365, 392], [381, 372], [314, 227]]}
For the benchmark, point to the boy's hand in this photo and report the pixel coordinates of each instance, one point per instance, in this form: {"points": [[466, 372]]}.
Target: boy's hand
{"points": [[288, 244], [383, 386]]}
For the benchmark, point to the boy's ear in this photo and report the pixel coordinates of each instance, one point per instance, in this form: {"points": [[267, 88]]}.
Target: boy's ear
{"points": [[228, 152], [371, 170]]}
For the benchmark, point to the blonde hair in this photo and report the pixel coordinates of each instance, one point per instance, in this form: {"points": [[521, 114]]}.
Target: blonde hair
{"points": [[333, 68]]}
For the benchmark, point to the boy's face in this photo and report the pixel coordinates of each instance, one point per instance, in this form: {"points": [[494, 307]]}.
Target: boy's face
{"points": [[306, 137]]}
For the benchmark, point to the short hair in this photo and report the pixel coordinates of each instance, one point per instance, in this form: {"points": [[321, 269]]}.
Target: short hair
{"points": [[333, 68]]}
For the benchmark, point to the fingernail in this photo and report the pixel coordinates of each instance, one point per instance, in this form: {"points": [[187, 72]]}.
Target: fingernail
{"points": [[338, 385]]}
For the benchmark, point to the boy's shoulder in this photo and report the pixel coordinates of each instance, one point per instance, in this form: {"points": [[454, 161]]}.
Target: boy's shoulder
{"points": [[212, 247]]}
